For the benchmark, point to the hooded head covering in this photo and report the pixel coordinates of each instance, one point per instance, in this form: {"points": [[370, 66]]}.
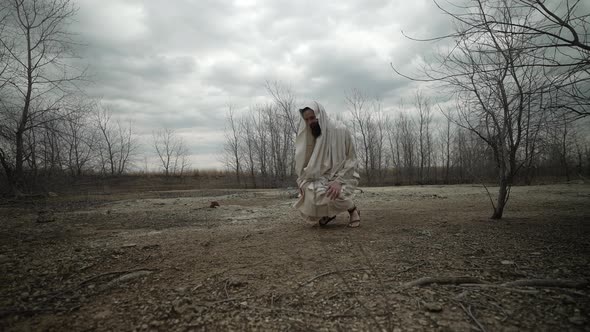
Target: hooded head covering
{"points": [[329, 150]]}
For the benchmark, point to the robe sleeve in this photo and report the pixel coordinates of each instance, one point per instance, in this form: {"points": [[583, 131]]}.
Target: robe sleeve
{"points": [[348, 173]]}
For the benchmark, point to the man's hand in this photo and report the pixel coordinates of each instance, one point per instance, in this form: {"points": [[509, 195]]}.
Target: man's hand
{"points": [[334, 189]]}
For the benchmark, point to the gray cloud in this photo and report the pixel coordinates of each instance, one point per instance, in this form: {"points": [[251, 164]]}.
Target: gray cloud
{"points": [[178, 65]]}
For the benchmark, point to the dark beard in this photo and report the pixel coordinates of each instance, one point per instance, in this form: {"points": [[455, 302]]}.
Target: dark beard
{"points": [[316, 131]]}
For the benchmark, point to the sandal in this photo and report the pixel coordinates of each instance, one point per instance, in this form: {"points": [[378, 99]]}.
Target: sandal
{"points": [[354, 223], [325, 220]]}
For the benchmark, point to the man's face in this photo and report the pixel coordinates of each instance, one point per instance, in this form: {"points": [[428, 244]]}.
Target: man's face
{"points": [[312, 122], [309, 117]]}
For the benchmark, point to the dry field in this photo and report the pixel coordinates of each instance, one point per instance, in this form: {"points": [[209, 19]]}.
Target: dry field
{"points": [[424, 259]]}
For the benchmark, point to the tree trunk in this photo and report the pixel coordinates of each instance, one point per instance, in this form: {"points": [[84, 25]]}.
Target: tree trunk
{"points": [[8, 170], [501, 201], [18, 175]]}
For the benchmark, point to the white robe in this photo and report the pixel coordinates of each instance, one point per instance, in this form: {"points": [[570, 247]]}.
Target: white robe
{"points": [[330, 157]]}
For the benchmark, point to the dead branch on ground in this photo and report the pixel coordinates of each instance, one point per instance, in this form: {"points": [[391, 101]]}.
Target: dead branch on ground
{"points": [[472, 316], [525, 291], [125, 272], [301, 284], [442, 280], [559, 283], [474, 282]]}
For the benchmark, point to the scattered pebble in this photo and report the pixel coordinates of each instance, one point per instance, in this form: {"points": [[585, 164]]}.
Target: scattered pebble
{"points": [[433, 307]]}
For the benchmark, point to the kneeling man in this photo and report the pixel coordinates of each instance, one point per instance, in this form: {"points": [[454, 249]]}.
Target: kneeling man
{"points": [[326, 166]]}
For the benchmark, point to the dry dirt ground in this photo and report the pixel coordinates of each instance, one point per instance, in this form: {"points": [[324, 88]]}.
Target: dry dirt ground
{"points": [[166, 261]]}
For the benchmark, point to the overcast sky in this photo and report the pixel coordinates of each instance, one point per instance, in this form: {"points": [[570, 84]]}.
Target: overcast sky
{"points": [[178, 64]]}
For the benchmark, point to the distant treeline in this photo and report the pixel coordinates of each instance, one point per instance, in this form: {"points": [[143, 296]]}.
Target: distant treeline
{"points": [[410, 144], [520, 103]]}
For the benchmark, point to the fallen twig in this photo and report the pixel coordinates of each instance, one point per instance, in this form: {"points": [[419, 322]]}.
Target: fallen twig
{"points": [[113, 272], [225, 288], [442, 280], [473, 282], [470, 314], [231, 299], [526, 291], [86, 267], [127, 277], [560, 283], [301, 284], [493, 302], [285, 310]]}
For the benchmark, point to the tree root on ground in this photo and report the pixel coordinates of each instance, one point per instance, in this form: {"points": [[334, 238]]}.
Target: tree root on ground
{"points": [[559, 283], [471, 281], [442, 280]]}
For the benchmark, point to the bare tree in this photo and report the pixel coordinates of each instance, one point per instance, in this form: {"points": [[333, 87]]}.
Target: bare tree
{"points": [[4, 50], [407, 137], [561, 140], [580, 149], [470, 157], [558, 32], [165, 146], [232, 143], [260, 143], [379, 139], [393, 145], [34, 77], [357, 104], [276, 128], [248, 132], [535, 122], [286, 116], [285, 101], [280, 141], [445, 139], [422, 104], [554, 35], [491, 71], [181, 158], [117, 145], [46, 149], [261, 138], [171, 151], [81, 139]]}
